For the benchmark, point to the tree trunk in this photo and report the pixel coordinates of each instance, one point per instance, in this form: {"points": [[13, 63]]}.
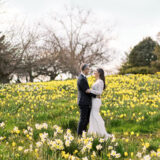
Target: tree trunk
{"points": [[4, 79], [30, 76], [18, 79], [53, 76]]}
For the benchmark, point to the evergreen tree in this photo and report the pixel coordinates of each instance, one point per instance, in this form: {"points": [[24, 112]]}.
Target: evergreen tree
{"points": [[143, 53]]}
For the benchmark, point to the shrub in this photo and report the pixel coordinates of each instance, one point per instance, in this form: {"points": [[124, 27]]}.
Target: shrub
{"points": [[139, 70]]}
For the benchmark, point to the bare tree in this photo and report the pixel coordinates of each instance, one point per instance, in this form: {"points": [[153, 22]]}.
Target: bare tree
{"points": [[40, 58], [10, 57], [49, 63], [77, 41], [29, 64], [58, 48]]}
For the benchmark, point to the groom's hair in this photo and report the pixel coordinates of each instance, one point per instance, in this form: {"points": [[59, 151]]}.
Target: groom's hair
{"points": [[84, 66]]}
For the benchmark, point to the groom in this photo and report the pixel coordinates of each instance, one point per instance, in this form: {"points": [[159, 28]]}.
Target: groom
{"points": [[84, 99]]}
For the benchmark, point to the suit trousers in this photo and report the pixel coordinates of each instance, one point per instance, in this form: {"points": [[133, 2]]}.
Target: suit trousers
{"points": [[84, 119]]}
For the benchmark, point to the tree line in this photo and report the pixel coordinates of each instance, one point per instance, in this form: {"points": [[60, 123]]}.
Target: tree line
{"points": [[52, 48]]}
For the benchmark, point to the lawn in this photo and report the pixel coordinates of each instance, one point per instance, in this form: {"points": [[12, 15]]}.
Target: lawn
{"points": [[39, 120]]}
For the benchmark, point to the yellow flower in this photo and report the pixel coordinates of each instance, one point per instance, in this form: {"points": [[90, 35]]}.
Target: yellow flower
{"points": [[76, 151], [93, 155], [20, 148], [64, 155], [153, 154], [137, 134], [125, 154], [125, 133], [13, 144], [147, 144], [109, 155]]}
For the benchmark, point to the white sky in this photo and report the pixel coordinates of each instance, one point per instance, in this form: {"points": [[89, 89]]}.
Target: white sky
{"points": [[132, 19]]}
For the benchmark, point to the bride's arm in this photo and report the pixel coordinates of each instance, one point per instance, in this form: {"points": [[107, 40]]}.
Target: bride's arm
{"points": [[85, 87], [99, 89]]}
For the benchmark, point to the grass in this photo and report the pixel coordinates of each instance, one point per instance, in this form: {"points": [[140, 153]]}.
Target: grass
{"points": [[130, 109]]}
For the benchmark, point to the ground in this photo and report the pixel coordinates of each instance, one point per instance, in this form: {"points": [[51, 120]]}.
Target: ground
{"points": [[34, 117]]}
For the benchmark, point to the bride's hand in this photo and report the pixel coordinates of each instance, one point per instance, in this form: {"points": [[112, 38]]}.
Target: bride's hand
{"points": [[88, 91]]}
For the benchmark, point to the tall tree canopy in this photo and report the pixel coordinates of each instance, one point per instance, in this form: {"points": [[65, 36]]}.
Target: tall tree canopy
{"points": [[143, 53], [79, 41]]}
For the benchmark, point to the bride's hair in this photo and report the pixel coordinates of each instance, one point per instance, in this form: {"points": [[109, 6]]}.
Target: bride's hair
{"points": [[101, 76]]}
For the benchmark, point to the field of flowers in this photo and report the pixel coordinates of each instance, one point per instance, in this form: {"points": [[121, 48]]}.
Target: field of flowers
{"points": [[39, 120]]}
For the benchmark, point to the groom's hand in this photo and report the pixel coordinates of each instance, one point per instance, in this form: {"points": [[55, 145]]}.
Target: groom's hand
{"points": [[98, 96], [88, 91]]}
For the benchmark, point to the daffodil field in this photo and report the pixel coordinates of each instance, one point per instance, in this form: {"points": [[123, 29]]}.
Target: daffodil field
{"points": [[39, 120]]}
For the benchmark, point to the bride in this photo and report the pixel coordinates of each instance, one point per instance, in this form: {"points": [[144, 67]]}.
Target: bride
{"points": [[96, 123]]}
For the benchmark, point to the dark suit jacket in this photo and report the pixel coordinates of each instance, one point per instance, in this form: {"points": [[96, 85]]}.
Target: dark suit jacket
{"points": [[84, 99]]}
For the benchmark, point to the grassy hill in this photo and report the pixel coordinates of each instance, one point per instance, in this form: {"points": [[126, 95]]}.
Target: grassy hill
{"points": [[35, 119]]}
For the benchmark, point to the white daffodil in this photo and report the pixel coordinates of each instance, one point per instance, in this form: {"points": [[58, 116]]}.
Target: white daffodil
{"points": [[99, 147]]}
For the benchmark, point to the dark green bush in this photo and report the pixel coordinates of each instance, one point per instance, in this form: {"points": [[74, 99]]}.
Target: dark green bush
{"points": [[139, 70]]}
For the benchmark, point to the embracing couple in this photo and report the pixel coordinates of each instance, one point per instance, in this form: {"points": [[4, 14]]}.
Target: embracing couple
{"points": [[89, 103]]}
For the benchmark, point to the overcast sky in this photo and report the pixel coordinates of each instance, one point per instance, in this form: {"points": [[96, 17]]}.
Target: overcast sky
{"points": [[132, 19]]}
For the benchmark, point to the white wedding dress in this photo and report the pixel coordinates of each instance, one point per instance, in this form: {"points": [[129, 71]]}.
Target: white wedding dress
{"points": [[96, 123]]}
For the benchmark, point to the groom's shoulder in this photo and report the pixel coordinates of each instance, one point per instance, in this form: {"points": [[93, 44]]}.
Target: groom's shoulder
{"points": [[80, 77]]}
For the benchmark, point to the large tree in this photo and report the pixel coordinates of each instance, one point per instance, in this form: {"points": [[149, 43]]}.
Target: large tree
{"points": [[58, 47], [10, 57], [30, 60], [143, 53], [49, 64], [77, 41], [41, 58]]}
